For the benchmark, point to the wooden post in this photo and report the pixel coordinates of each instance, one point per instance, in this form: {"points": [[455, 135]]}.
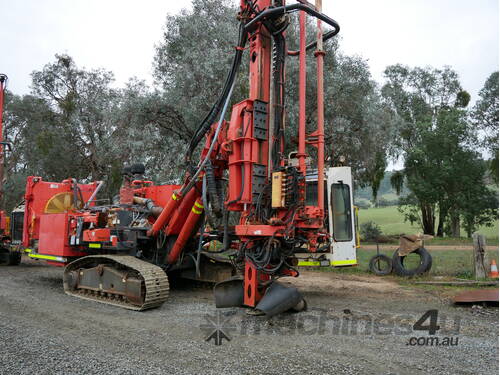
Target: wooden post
{"points": [[481, 265]]}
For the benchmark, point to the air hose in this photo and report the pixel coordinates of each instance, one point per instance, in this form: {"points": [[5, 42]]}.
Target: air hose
{"points": [[201, 166], [215, 199]]}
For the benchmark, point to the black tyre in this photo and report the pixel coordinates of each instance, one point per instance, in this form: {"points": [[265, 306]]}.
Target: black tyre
{"points": [[429, 262], [14, 258], [424, 265], [9, 258], [381, 265]]}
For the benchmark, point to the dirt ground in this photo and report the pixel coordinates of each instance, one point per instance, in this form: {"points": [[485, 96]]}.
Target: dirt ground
{"points": [[354, 325]]}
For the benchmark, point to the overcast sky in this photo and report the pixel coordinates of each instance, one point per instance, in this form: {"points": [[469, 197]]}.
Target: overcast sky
{"points": [[120, 35]]}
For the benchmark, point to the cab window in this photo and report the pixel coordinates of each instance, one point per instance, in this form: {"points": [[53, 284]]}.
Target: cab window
{"points": [[341, 208], [312, 194]]}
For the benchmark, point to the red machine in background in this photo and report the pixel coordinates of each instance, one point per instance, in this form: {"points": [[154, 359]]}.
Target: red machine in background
{"points": [[245, 193], [8, 256], [51, 215], [60, 220], [61, 223]]}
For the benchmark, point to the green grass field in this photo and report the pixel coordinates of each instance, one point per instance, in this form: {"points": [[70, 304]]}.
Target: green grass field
{"points": [[391, 221], [453, 263]]}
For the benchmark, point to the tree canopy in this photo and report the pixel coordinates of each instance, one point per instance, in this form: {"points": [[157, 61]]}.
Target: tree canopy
{"points": [[442, 169], [485, 116], [76, 123]]}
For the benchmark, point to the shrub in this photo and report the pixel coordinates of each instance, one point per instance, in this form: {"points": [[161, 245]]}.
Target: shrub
{"points": [[382, 202], [362, 203], [370, 231]]}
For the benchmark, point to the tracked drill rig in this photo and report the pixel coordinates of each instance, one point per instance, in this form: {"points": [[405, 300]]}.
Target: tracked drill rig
{"points": [[268, 211]]}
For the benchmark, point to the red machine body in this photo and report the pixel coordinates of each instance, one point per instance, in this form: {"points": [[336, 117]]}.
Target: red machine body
{"points": [[8, 255], [36, 197], [48, 234], [54, 235], [160, 194], [4, 222]]}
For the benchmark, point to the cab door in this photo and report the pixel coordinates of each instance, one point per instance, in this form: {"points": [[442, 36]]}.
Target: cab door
{"points": [[341, 217]]}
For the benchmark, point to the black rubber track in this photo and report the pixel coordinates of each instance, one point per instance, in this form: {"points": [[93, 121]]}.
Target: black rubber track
{"points": [[9, 258], [14, 258]]}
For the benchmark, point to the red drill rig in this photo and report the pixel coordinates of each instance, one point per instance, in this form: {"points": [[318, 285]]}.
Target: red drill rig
{"points": [[261, 206]]}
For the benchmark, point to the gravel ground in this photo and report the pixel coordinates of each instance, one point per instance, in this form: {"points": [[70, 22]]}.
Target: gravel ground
{"points": [[43, 331]]}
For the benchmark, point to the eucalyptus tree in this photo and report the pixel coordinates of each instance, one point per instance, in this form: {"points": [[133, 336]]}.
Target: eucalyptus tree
{"points": [[485, 116], [193, 58], [442, 170]]}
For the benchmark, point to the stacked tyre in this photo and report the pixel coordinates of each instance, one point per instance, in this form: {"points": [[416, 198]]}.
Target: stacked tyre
{"points": [[424, 265], [383, 265]]}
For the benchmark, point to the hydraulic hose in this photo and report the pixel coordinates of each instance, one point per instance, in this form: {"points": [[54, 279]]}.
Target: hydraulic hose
{"points": [[216, 108], [278, 11], [191, 183], [215, 199], [279, 48], [202, 227]]}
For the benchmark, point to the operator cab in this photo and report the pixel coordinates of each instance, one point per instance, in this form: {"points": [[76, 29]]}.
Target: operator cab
{"points": [[341, 218]]}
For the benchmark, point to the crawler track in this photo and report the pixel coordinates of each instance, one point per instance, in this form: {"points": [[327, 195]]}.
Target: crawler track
{"points": [[154, 286]]}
